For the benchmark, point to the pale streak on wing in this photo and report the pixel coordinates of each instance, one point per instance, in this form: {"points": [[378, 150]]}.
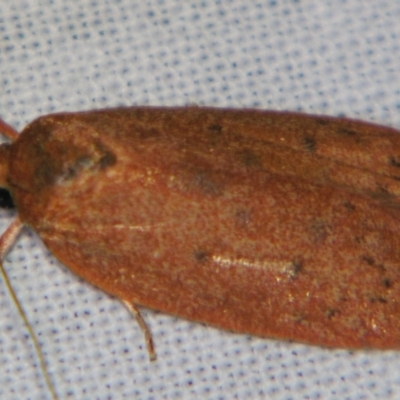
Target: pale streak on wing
{"points": [[71, 228], [284, 267], [140, 228]]}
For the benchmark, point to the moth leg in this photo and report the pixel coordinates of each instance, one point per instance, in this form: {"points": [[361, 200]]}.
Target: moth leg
{"points": [[143, 326], [8, 130], [8, 238]]}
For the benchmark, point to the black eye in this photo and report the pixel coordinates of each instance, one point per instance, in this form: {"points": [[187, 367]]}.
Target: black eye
{"points": [[5, 199]]}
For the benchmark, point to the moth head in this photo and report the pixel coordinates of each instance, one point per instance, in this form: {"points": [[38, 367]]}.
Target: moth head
{"points": [[5, 196]]}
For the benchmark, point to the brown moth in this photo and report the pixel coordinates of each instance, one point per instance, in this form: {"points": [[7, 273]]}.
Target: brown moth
{"points": [[276, 224]]}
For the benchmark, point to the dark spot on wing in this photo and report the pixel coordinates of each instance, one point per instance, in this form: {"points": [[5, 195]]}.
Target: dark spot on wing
{"points": [[309, 144], [107, 160], [387, 283], [372, 263], [73, 170], [394, 161], [349, 205], [346, 132], [201, 256], [215, 128], [295, 268], [332, 312], [322, 122], [368, 259], [90, 159], [378, 299], [248, 158], [214, 135]]}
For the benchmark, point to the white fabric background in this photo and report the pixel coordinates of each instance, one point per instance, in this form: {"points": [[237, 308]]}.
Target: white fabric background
{"points": [[330, 57]]}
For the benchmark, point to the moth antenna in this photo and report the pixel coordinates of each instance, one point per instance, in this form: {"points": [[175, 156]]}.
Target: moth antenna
{"points": [[145, 329], [8, 131], [6, 241]]}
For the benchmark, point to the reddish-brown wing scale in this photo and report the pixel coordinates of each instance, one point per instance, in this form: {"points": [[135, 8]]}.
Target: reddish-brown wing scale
{"points": [[275, 224]]}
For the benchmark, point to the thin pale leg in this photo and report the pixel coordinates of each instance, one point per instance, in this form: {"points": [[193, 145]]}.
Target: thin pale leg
{"points": [[8, 130], [6, 241], [8, 238], [143, 326]]}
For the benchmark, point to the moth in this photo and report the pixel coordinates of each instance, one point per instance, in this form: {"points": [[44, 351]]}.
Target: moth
{"points": [[275, 224]]}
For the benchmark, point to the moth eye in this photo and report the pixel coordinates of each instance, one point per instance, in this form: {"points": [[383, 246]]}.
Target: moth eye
{"points": [[6, 200]]}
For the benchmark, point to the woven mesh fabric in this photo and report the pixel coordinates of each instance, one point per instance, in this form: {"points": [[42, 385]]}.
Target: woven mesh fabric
{"points": [[337, 57]]}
